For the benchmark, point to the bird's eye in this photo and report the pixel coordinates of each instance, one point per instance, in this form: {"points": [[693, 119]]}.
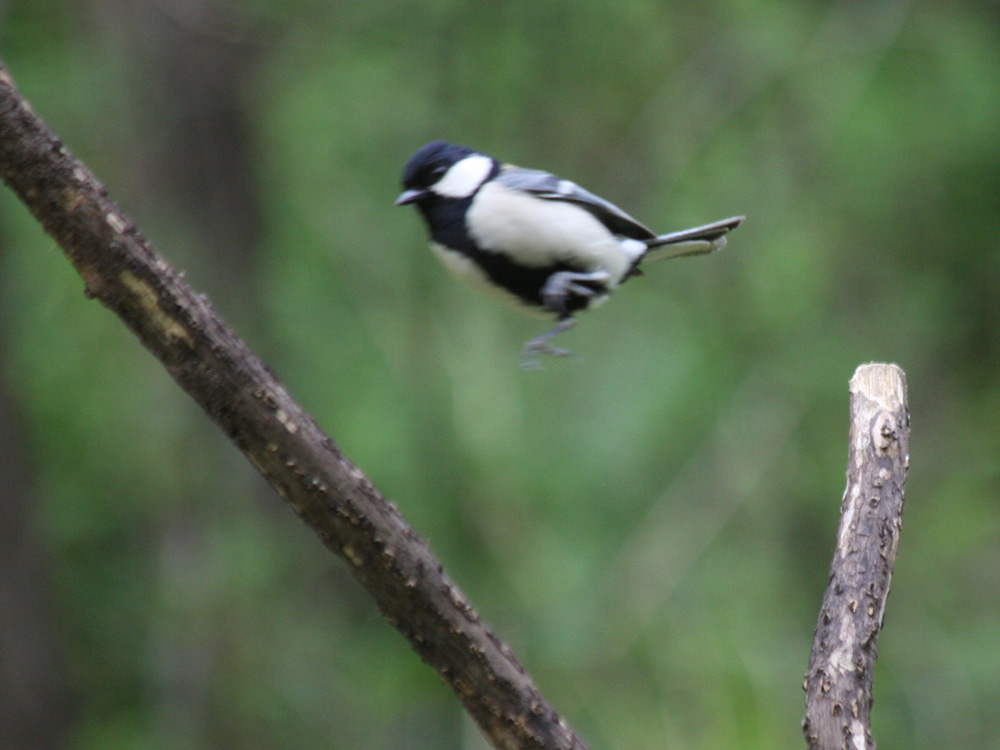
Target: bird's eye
{"points": [[439, 171]]}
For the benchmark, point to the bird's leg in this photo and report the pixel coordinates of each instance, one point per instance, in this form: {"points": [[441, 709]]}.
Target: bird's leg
{"points": [[561, 284], [555, 295], [540, 344]]}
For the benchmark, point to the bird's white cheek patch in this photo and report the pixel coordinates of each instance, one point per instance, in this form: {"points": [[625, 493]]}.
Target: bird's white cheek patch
{"points": [[464, 177]]}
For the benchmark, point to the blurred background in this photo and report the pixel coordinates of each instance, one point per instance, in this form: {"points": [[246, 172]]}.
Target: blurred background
{"points": [[649, 524]]}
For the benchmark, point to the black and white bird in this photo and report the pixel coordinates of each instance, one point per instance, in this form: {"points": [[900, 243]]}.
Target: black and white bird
{"points": [[535, 239]]}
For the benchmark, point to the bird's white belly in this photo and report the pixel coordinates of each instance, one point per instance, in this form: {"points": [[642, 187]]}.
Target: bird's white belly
{"points": [[537, 232]]}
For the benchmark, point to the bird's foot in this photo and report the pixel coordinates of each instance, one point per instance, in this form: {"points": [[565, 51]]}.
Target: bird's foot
{"points": [[530, 354]]}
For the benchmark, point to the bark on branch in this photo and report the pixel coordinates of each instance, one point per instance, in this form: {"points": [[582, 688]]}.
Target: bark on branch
{"points": [[839, 681], [329, 493]]}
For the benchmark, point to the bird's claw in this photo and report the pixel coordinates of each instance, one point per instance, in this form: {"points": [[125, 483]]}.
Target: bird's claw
{"points": [[530, 359], [530, 355]]}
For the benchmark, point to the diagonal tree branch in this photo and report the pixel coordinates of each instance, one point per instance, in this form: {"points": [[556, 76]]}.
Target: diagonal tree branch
{"points": [[331, 495], [839, 681]]}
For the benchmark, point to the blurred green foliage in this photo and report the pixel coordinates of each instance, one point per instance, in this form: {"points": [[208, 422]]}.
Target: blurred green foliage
{"points": [[650, 523]]}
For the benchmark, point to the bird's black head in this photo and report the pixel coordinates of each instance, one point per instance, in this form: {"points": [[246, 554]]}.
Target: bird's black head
{"points": [[445, 170]]}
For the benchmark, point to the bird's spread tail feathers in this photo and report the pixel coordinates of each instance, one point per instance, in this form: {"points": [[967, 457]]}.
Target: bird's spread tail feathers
{"points": [[696, 241]]}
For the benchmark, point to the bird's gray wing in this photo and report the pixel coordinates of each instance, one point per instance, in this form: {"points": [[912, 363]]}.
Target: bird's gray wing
{"points": [[549, 187]]}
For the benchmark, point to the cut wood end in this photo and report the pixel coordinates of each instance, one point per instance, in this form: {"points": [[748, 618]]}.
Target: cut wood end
{"points": [[884, 384]]}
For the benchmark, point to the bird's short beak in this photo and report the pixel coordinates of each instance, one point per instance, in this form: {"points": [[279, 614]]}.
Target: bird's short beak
{"points": [[410, 196]]}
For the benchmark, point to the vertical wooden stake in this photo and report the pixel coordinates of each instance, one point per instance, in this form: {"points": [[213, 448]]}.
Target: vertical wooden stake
{"points": [[838, 684]]}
